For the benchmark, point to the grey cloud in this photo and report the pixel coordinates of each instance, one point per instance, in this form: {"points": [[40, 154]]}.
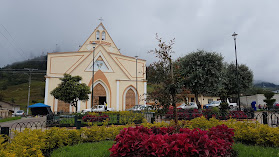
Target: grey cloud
{"points": [[38, 26]]}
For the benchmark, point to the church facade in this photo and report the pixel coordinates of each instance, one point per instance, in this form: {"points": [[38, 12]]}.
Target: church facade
{"points": [[119, 80]]}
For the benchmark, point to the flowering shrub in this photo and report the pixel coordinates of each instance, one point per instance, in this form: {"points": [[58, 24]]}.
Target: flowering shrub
{"points": [[250, 132], [163, 130], [39, 143], [238, 114], [129, 141], [141, 141], [94, 118]]}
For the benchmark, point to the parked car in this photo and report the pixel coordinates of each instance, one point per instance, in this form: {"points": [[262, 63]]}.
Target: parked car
{"points": [[217, 104], [135, 108], [145, 107], [140, 108], [98, 108], [19, 113], [191, 105], [212, 104]]}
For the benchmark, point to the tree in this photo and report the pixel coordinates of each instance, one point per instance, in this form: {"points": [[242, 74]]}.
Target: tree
{"points": [[269, 101], [70, 90], [166, 90], [230, 83], [157, 72], [201, 72]]}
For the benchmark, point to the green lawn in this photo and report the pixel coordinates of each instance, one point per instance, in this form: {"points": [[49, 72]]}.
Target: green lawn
{"points": [[97, 149], [255, 151], [100, 149], [9, 119]]}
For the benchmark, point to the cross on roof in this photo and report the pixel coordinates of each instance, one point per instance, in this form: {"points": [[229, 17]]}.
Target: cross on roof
{"points": [[101, 19]]}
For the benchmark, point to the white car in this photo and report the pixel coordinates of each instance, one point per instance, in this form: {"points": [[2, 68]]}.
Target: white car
{"points": [[19, 113], [140, 108], [217, 104], [213, 104], [191, 105], [98, 108], [135, 108], [145, 107]]}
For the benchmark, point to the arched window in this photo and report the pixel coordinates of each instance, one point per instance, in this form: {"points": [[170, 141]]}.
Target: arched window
{"points": [[103, 35], [97, 35]]}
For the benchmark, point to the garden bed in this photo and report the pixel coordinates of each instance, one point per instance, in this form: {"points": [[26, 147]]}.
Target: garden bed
{"points": [[100, 149]]}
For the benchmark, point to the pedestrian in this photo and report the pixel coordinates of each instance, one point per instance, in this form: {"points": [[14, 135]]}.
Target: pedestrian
{"points": [[106, 105]]}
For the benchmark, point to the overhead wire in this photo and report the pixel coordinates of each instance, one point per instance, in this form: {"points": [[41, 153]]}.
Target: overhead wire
{"points": [[12, 37], [15, 45], [12, 45]]}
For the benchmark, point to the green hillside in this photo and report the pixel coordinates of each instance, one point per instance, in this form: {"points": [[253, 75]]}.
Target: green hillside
{"points": [[18, 94], [14, 82]]}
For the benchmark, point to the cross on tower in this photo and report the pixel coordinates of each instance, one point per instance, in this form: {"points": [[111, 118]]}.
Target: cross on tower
{"points": [[101, 19]]}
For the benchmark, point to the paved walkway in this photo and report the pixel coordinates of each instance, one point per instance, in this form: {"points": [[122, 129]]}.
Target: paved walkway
{"points": [[23, 120]]}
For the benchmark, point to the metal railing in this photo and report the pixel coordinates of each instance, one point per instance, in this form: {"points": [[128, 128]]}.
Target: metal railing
{"points": [[75, 122]]}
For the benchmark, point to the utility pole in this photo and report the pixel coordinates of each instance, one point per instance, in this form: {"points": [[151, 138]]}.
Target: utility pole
{"points": [[236, 66], [30, 71], [137, 80], [93, 62]]}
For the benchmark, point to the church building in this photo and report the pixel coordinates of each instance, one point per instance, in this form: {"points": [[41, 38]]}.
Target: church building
{"points": [[119, 80]]}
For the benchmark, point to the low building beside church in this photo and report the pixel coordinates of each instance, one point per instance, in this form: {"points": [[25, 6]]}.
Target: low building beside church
{"points": [[119, 80]]}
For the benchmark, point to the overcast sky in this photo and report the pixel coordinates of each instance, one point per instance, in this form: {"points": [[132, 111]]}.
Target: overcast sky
{"points": [[30, 27]]}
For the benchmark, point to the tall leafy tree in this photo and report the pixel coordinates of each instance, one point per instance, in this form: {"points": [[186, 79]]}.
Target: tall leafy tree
{"points": [[229, 82], [157, 72], [201, 72], [70, 90]]}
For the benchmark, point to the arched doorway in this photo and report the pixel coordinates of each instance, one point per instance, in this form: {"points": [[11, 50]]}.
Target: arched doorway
{"points": [[129, 98], [101, 94]]}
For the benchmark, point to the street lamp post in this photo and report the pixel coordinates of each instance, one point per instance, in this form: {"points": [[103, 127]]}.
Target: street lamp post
{"points": [[237, 80], [136, 79], [92, 90]]}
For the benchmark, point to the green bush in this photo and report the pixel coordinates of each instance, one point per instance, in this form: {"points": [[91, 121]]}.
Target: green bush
{"points": [[38, 142]]}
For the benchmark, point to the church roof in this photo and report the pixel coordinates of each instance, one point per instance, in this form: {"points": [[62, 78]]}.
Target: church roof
{"points": [[97, 38], [97, 41]]}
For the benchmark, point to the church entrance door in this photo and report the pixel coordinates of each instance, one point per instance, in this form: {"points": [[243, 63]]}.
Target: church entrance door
{"points": [[99, 95], [102, 100]]}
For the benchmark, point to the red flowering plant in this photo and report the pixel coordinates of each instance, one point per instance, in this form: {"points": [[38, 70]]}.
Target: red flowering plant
{"points": [[141, 141], [238, 114], [129, 141], [163, 130]]}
